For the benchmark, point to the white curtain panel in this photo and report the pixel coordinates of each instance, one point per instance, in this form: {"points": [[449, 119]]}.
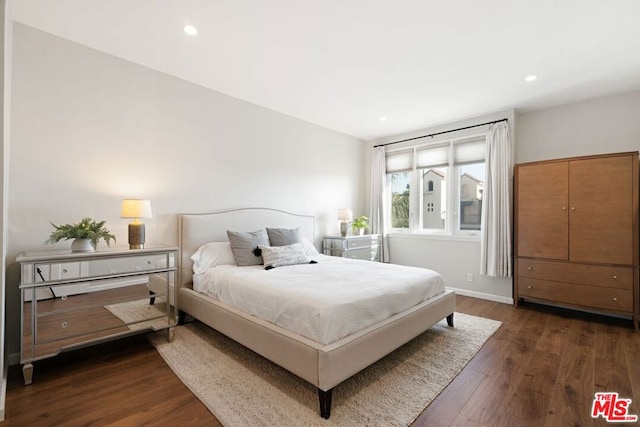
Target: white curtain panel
{"points": [[495, 254], [377, 209]]}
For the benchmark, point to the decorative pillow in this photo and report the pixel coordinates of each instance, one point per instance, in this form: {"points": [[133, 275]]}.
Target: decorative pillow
{"points": [[244, 246], [309, 248], [283, 236], [212, 254], [276, 256]]}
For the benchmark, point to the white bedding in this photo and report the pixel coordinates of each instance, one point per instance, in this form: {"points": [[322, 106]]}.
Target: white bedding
{"points": [[325, 301]]}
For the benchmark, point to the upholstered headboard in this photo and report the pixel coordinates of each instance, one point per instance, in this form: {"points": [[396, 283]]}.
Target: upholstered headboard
{"points": [[196, 229]]}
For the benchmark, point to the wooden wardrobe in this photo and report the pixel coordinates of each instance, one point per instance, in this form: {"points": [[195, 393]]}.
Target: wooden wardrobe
{"points": [[576, 233]]}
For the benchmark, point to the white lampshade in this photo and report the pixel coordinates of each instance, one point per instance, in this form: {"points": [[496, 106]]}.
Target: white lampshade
{"points": [[345, 215], [136, 208]]}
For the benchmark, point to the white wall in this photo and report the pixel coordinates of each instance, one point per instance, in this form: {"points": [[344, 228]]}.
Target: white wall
{"points": [[89, 129], [600, 126]]}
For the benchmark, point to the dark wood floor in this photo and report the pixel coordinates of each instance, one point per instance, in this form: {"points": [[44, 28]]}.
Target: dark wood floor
{"points": [[541, 368]]}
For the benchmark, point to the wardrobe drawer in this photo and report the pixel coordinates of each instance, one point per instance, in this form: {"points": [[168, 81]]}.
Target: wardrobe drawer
{"points": [[596, 275], [620, 300]]}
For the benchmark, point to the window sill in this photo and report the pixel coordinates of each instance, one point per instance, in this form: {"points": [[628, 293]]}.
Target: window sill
{"points": [[427, 236]]}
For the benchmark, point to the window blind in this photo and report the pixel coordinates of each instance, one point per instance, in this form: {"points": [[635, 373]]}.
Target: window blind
{"points": [[433, 156], [399, 161], [469, 151]]}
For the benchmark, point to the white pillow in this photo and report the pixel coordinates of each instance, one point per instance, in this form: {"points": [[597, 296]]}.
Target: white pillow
{"points": [[276, 256], [212, 254], [309, 249]]}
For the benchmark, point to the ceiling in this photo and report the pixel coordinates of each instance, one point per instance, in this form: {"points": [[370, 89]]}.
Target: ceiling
{"points": [[344, 64]]}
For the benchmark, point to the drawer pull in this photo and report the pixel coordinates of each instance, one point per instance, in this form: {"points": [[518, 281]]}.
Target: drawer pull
{"points": [[564, 208], [573, 208], [64, 324], [529, 287], [529, 268], [63, 297], [615, 277], [64, 270], [615, 299]]}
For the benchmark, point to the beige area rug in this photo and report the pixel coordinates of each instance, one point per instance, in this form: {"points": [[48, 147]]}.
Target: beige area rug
{"points": [[129, 312], [242, 388]]}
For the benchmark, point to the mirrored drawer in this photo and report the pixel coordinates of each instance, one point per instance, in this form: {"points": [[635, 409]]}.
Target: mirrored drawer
{"points": [[61, 271], [98, 293], [361, 242]]}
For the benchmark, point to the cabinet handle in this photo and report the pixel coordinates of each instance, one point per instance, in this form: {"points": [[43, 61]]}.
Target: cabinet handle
{"points": [[64, 324], [529, 287], [615, 299], [64, 270], [63, 297], [529, 268], [615, 277], [573, 208], [564, 208]]}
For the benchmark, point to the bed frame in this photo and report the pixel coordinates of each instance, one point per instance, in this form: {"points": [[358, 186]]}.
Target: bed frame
{"points": [[324, 366]]}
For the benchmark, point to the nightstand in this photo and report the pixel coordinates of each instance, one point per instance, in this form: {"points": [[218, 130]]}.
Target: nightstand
{"points": [[357, 247], [72, 300]]}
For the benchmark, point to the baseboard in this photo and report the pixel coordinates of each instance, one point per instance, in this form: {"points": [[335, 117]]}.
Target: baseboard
{"points": [[482, 295]]}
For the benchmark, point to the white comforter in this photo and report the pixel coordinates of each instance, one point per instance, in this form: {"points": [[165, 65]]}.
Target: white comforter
{"points": [[324, 301]]}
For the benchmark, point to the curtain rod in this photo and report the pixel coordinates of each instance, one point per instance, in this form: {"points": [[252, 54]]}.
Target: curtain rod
{"points": [[440, 133]]}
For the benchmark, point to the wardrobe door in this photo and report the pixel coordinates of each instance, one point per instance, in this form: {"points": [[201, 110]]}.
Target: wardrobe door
{"points": [[601, 210], [542, 198]]}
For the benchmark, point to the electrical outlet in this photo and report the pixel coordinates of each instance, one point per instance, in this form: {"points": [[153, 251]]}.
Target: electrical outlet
{"points": [[470, 277]]}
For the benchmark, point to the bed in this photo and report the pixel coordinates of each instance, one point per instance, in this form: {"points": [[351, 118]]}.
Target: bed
{"points": [[324, 365]]}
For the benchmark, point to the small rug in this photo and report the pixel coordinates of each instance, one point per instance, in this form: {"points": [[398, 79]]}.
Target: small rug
{"points": [[242, 388], [129, 312]]}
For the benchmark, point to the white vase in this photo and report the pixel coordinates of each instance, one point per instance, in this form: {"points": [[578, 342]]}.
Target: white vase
{"points": [[82, 245]]}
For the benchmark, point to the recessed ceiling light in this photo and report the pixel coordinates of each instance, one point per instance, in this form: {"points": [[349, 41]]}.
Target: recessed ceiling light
{"points": [[383, 118], [191, 30], [531, 78]]}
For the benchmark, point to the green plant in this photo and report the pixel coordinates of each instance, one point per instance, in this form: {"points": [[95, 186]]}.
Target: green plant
{"points": [[359, 223], [85, 229]]}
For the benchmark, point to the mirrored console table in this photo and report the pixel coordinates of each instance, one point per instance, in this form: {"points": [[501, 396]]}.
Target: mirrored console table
{"points": [[70, 300]]}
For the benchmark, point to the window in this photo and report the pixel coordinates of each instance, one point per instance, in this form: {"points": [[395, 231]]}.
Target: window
{"points": [[434, 198], [471, 188], [449, 178], [400, 194]]}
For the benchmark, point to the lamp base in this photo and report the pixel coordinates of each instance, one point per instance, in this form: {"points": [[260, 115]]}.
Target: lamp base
{"points": [[136, 236], [343, 229]]}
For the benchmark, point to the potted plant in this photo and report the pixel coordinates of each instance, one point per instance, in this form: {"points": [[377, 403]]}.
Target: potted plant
{"points": [[86, 234], [360, 224]]}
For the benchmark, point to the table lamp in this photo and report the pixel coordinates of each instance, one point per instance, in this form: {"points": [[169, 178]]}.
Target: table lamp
{"points": [[344, 216], [136, 209]]}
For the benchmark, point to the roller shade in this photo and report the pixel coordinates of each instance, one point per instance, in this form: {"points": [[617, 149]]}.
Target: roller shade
{"points": [[399, 161], [433, 156], [469, 151]]}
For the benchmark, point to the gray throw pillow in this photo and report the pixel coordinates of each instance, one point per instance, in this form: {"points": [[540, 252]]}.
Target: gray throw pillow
{"points": [[243, 245], [283, 236]]}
